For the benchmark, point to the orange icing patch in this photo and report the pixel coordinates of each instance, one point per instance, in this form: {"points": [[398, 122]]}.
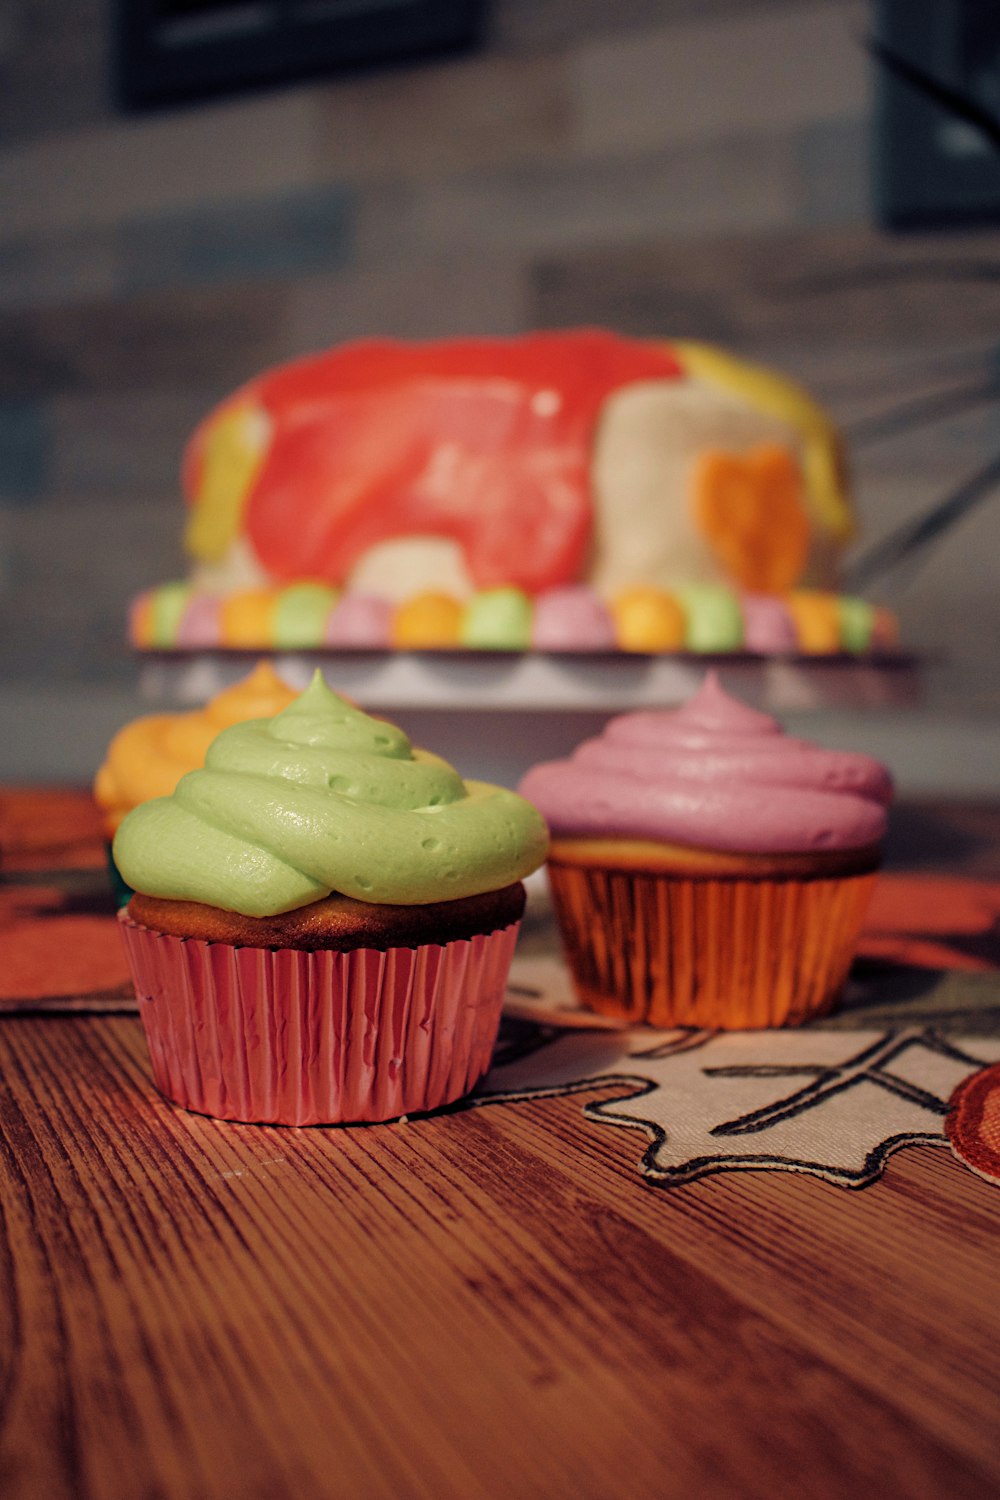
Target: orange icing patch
{"points": [[427, 621], [816, 616], [247, 619], [646, 619], [749, 507]]}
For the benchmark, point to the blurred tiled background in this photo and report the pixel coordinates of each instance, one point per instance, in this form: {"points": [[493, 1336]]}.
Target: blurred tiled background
{"points": [[694, 168]]}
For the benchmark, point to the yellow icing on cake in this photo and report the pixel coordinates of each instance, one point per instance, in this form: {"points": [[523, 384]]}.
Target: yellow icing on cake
{"points": [[233, 449]]}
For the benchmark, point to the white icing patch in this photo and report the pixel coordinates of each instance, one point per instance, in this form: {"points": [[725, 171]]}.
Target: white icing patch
{"points": [[546, 403], [398, 569], [238, 569], [257, 428]]}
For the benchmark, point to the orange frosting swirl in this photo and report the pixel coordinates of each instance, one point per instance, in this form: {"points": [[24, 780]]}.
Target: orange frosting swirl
{"points": [[148, 757]]}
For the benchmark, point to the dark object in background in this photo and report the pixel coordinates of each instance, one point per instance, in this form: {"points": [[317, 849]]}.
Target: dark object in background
{"points": [[171, 50], [937, 92], [937, 164]]}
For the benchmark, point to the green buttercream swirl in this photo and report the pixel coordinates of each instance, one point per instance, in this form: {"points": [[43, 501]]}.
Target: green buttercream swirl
{"points": [[323, 798]]}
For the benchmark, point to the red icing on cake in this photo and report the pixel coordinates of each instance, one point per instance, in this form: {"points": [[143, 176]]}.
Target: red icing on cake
{"points": [[379, 440]]}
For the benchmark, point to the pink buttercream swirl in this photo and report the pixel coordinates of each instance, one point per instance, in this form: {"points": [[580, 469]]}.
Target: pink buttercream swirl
{"points": [[714, 774]]}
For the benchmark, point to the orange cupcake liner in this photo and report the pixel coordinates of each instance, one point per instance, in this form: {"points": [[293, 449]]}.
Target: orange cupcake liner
{"points": [[286, 1037], [718, 954]]}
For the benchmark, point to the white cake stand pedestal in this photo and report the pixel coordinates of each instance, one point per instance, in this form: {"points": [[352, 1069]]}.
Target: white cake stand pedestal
{"points": [[493, 714]]}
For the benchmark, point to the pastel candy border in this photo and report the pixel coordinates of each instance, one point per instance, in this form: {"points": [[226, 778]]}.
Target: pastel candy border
{"points": [[705, 618]]}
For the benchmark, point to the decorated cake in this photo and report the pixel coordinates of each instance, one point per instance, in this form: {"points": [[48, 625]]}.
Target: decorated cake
{"points": [[560, 491]]}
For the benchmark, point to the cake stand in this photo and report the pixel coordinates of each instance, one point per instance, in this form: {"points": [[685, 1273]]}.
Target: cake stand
{"points": [[494, 713]]}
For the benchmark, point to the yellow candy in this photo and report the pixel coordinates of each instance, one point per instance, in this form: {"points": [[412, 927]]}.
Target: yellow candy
{"points": [[247, 619], [817, 621], [427, 622], [646, 619]]}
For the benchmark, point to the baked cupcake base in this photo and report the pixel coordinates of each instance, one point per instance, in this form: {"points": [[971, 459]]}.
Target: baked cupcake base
{"points": [[306, 1034], [670, 936]]}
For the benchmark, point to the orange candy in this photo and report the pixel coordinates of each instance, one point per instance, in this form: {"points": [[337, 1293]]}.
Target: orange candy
{"points": [[817, 620], [246, 620], [427, 622], [749, 508], [140, 623], [647, 619]]}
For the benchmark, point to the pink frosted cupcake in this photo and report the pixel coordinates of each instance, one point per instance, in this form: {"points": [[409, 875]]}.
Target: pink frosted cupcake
{"points": [[708, 870], [324, 920]]}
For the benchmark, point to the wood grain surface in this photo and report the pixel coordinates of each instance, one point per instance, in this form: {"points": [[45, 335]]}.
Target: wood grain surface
{"points": [[484, 1304]]}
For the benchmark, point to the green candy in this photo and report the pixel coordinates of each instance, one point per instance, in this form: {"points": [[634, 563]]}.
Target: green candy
{"points": [[300, 615], [712, 616], [168, 604], [857, 621], [498, 620]]}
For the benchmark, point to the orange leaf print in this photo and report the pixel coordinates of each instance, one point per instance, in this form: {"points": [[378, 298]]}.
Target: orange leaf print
{"points": [[749, 508]]}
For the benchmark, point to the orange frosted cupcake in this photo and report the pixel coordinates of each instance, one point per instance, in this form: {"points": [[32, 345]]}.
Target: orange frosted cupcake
{"points": [[708, 870], [148, 757]]}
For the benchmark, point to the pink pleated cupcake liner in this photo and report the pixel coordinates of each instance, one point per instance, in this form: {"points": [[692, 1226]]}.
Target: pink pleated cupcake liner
{"points": [[285, 1037]]}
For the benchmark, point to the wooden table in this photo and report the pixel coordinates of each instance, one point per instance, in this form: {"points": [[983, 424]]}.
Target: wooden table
{"points": [[483, 1304]]}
